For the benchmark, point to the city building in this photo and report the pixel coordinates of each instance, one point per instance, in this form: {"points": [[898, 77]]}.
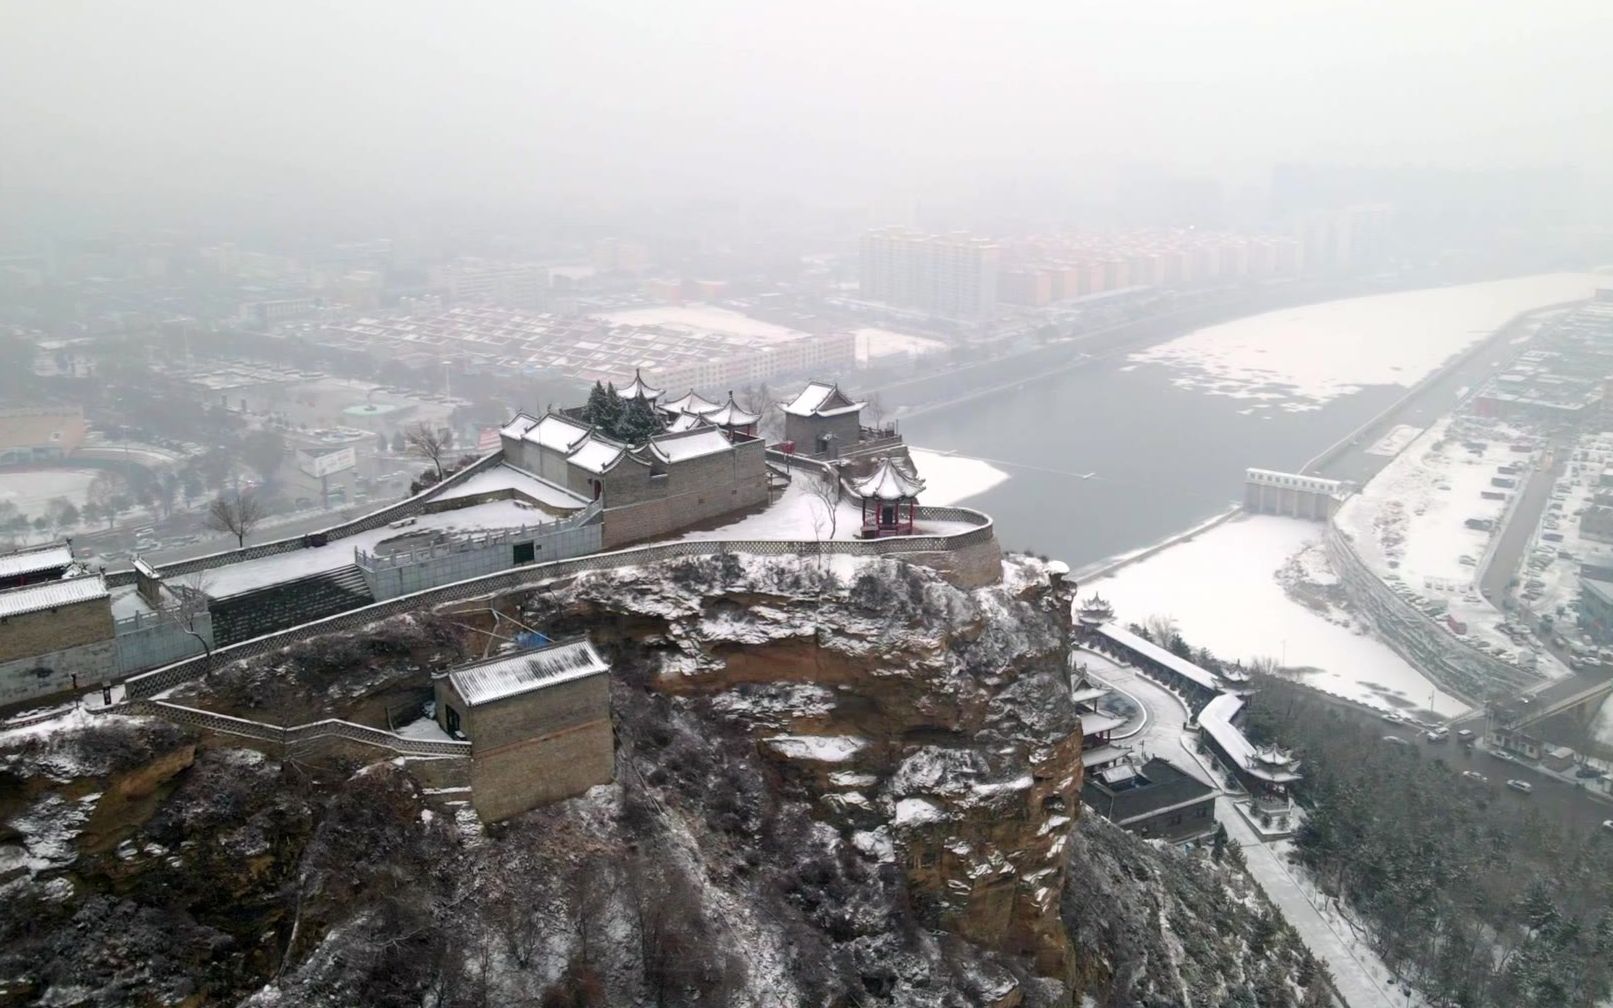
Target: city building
{"points": [[951, 276], [470, 281], [694, 348], [538, 722], [31, 435]]}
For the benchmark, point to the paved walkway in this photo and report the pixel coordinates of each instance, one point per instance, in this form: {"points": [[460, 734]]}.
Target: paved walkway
{"points": [[1360, 978]]}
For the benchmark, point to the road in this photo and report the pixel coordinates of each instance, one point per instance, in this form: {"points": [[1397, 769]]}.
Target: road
{"points": [[1433, 401], [1158, 729], [1522, 520]]}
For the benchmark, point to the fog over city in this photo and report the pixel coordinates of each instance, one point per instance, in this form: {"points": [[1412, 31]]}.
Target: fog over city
{"points": [[592, 109], [1030, 505]]}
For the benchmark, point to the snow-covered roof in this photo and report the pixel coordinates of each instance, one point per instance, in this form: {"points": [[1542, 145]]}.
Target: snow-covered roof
{"points": [[685, 422], [692, 402], [637, 389], [511, 675], [35, 559], [821, 399], [1091, 724], [888, 482], [730, 415], [51, 595], [1266, 764], [1103, 755], [555, 499], [1148, 649], [557, 432], [596, 454], [690, 444]]}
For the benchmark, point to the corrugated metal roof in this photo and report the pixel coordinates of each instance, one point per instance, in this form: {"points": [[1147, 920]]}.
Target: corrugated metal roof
{"points": [[40, 558], [50, 595], [529, 670]]}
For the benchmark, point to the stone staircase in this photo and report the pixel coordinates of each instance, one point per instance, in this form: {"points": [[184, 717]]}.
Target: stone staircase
{"points": [[276, 607]]}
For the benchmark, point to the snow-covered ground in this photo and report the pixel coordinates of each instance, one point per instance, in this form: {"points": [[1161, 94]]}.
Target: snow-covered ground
{"points": [[1220, 589], [952, 479], [1360, 976], [876, 343], [1408, 524], [239, 577], [704, 318], [1394, 442], [1300, 358], [800, 514], [32, 490]]}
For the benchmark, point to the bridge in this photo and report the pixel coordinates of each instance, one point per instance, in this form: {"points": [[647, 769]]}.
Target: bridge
{"points": [[1266, 491]]}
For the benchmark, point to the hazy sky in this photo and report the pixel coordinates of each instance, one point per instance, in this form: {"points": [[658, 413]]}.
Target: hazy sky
{"points": [[605, 103]]}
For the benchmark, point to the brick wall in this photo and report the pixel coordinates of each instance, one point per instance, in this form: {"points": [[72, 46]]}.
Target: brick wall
{"points": [[523, 775], [56, 629]]}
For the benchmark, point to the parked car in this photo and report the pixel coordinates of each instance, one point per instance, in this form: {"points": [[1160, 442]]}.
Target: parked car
{"points": [[1524, 786]]}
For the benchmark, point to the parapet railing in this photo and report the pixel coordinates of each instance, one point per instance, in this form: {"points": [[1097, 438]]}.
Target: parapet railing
{"points": [[151, 683], [289, 737], [363, 523]]}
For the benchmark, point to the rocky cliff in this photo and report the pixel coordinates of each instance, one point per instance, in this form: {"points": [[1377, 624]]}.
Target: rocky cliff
{"points": [[839, 784]]}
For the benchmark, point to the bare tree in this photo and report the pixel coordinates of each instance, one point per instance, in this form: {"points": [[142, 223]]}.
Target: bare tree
{"points": [[237, 513], [103, 495], [428, 443], [824, 491], [187, 610], [874, 411], [1161, 629]]}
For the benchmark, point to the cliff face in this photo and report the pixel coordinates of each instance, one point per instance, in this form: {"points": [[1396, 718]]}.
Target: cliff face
{"points": [[928, 726]]}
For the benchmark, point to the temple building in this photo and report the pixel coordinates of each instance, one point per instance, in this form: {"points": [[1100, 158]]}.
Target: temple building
{"points": [[822, 422], [1098, 748], [638, 388], [1155, 800], [538, 722], [1266, 772], [889, 496]]}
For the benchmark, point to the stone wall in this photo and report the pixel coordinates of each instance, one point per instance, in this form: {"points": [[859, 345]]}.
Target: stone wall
{"points": [[46, 674], [972, 566], [806, 432], [689, 493]]}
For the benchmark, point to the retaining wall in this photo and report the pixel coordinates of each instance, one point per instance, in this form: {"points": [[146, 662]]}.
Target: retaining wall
{"points": [[982, 535]]}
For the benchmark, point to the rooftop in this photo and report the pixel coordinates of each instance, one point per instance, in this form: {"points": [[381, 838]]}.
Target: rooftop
{"points": [[35, 559], [888, 482], [821, 399], [51, 595], [1267, 764], [1126, 793], [511, 675], [1148, 649]]}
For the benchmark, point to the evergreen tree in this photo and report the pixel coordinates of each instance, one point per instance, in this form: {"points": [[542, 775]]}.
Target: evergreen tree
{"points": [[599, 410], [638, 422]]}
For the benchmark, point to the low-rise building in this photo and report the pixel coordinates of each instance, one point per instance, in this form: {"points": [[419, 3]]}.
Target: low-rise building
{"points": [[54, 635], [1154, 801], [538, 723]]}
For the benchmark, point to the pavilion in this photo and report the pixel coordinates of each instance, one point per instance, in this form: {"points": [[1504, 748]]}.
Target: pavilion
{"points": [[889, 499], [733, 420]]}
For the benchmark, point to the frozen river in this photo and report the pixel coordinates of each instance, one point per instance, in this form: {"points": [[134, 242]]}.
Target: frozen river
{"points": [[1122, 453], [1105, 459]]}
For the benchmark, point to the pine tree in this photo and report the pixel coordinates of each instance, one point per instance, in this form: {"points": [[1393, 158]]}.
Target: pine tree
{"points": [[600, 408], [638, 422]]}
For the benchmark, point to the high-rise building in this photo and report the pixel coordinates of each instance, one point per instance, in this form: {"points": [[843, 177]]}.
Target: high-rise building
{"points": [[949, 276]]}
